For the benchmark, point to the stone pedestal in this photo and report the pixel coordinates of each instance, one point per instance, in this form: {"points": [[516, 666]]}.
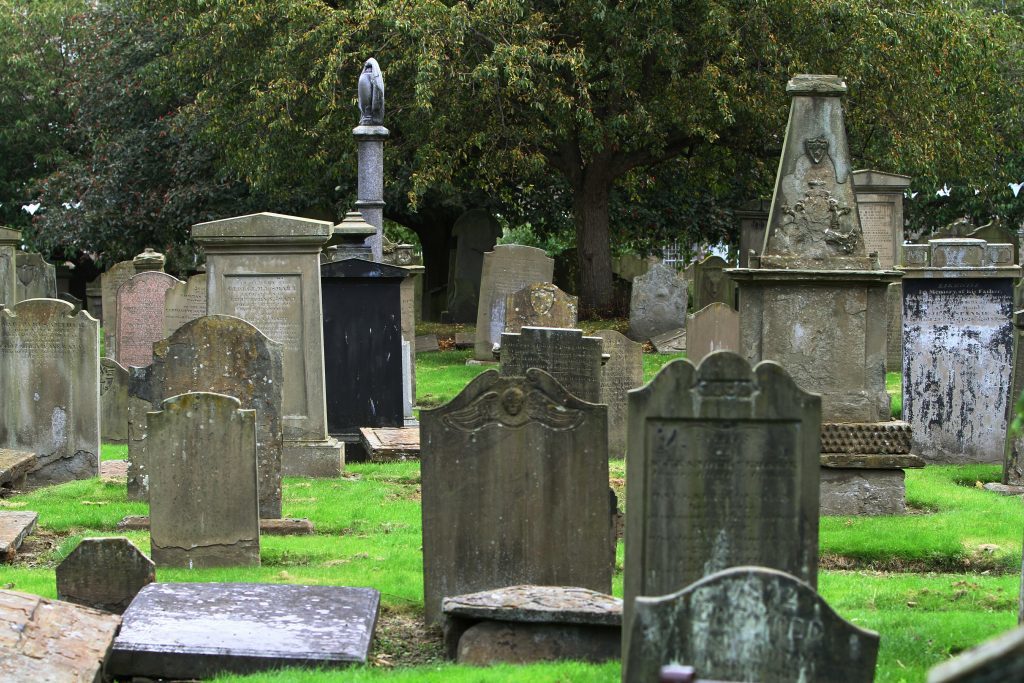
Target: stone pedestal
{"points": [[9, 241], [370, 153], [265, 268]]}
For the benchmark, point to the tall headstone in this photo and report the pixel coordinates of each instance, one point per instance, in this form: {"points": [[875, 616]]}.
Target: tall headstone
{"points": [[815, 300], [1013, 453], [226, 355], [723, 469], [104, 573], [658, 303], [571, 358], [203, 504], [140, 316], [362, 316], [541, 304], [10, 240], [265, 268], [958, 348], [37, 279], [370, 135], [50, 388], [624, 370], [184, 302], [476, 232], [753, 217], [748, 624], [110, 282], [530, 504], [113, 402], [711, 284], [716, 327], [506, 270]]}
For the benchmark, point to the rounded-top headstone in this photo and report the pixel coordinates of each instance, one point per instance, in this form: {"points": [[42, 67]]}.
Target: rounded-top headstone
{"points": [[105, 573]]}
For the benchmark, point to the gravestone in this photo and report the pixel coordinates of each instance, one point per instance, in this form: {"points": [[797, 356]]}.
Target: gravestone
{"points": [[711, 284], [1013, 450], [475, 233], [113, 402], [10, 240], [531, 502], [110, 282], [658, 303], [540, 305], [14, 527], [894, 328], [362, 316], [140, 402], [94, 299], [199, 630], [747, 624], [624, 370], [184, 302], [227, 355], [140, 316], [753, 216], [104, 573], [723, 465], [506, 270], [203, 502], [49, 388], [265, 268], [37, 279], [958, 348], [571, 358], [880, 208], [716, 327], [996, 660]]}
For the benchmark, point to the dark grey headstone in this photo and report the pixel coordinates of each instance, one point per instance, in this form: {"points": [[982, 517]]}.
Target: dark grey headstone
{"points": [[476, 231], [104, 573], [723, 470], [113, 401], [572, 359], [196, 630], [624, 370], [748, 624], [515, 489]]}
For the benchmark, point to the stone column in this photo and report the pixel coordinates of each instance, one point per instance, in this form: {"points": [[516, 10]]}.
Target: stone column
{"points": [[370, 203], [9, 242]]}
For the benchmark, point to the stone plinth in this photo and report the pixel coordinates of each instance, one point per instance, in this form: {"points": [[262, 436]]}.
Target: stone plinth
{"points": [[265, 268], [958, 348]]}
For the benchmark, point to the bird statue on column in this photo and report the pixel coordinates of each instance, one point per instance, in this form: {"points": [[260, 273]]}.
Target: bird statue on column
{"points": [[371, 94]]}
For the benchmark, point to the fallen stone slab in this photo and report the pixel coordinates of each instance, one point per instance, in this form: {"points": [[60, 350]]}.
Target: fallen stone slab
{"points": [[464, 340], [49, 640], [286, 526], [673, 341], [14, 466], [522, 624], [1005, 489], [391, 443], [195, 630], [426, 343], [14, 527]]}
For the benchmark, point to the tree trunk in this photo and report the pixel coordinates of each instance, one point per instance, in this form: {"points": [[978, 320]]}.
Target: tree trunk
{"points": [[593, 245]]}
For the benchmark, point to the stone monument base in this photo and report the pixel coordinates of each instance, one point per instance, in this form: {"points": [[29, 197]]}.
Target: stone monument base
{"points": [[313, 458]]}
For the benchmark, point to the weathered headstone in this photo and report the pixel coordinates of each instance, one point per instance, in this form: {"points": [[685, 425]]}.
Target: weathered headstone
{"points": [[673, 341], [9, 242], [49, 388], [711, 284], [506, 270], [94, 299], [104, 573], [540, 305], [716, 327], [774, 627], [880, 208], [723, 464], [624, 370], [658, 303], [993, 661], [265, 268], [49, 640], [203, 502], [37, 279], [531, 502], [140, 316], [110, 282], [476, 231], [227, 355], [753, 216], [894, 328], [958, 348], [113, 402], [140, 401], [199, 630], [184, 302], [571, 358]]}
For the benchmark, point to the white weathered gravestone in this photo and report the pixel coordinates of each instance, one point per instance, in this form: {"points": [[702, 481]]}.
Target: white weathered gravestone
{"points": [[49, 388], [184, 302]]}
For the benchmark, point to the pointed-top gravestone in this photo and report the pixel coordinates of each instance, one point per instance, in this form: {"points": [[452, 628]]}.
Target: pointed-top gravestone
{"points": [[140, 316], [506, 270], [476, 231], [541, 304], [104, 573], [723, 465], [748, 624], [658, 303]]}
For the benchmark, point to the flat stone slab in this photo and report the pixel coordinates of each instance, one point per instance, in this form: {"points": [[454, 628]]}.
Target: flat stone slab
{"points": [[538, 604], [14, 465], [425, 343], [1005, 489], [874, 461], [474, 361], [391, 443], [673, 341], [114, 470], [464, 340], [49, 640], [194, 630], [14, 527], [286, 526]]}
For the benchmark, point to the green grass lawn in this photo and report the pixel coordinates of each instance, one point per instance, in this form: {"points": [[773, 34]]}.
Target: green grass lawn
{"points": [[932, 583]]}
